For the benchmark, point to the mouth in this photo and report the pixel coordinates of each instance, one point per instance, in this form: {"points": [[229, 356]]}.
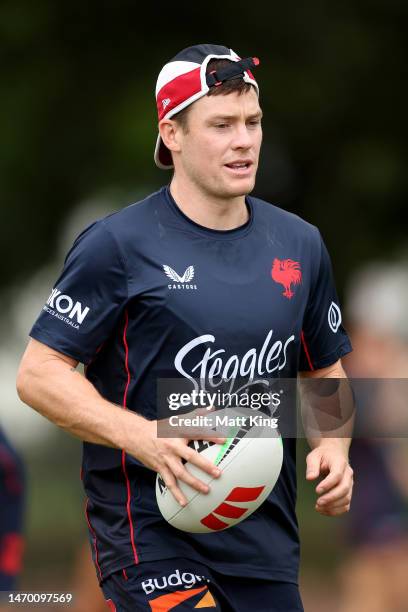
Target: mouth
{"points": [[240, 168]]}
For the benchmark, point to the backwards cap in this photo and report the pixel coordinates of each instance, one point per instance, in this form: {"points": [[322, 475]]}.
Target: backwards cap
{"points": [[183, 80]]}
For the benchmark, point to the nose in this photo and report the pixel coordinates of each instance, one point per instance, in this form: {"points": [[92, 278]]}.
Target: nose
{"points": [[242, 138]]}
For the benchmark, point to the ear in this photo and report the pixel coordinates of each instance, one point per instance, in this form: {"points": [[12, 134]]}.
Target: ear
{"points": [[170, 134]]}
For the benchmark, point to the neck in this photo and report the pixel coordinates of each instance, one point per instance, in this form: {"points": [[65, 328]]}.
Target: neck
{"points": [[208, 210]]}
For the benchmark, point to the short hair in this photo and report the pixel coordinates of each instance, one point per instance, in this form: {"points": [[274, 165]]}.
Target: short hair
{"points": [[237, 85]]}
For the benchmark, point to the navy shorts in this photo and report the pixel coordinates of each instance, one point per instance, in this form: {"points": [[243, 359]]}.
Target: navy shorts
{"points": [[180, 585]]}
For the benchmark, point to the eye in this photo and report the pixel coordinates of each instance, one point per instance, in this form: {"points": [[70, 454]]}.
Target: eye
{"points": [[221, 125], [254, 122]]}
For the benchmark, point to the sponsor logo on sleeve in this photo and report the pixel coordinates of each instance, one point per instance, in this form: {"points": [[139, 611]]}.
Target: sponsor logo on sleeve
{"points": [[334, 317], [66, 309]]}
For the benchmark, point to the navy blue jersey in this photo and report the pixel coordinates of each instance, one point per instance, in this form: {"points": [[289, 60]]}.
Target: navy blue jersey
{"points": [[147, 293]]}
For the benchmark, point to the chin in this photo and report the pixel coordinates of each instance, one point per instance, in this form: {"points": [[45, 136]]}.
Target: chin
{"points": [[234, 189], [244, 188]]}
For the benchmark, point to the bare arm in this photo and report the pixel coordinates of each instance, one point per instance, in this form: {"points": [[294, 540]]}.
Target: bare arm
{"points": [[329, 457], [340, 421], [49, 382]]}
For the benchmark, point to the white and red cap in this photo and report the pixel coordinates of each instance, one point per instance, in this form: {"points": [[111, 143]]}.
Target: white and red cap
{"points": [[183, 80]]}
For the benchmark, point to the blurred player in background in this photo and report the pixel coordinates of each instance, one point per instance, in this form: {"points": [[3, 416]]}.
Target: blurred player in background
{"points": [[12, 489], [376, 573]]}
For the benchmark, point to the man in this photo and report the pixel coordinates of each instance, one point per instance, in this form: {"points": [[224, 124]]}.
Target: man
{"points": [[154, 291]]}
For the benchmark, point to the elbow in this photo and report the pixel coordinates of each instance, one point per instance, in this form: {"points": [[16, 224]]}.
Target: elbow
{"points": [[24, 383]]}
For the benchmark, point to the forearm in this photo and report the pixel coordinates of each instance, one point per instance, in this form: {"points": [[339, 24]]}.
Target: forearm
{"points": [[325, 432], [50, 384], [327, 413], [61, 394]]}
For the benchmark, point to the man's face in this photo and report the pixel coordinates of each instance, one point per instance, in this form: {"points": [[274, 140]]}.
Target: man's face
{"points": [[220, 149]]}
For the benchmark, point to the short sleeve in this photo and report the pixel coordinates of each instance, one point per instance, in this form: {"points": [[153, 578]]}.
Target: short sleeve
{"points": [[87, 299], [324, 339]]}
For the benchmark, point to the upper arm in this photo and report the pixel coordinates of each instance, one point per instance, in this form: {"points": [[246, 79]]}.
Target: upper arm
{"points": [[37, 354]]}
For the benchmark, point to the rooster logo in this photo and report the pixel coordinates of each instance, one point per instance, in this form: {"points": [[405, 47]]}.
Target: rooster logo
{"points": [[187, 276], [286, 272]]}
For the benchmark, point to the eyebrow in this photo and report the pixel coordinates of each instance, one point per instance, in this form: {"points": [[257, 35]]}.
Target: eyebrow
{"points": [[257, 115]]}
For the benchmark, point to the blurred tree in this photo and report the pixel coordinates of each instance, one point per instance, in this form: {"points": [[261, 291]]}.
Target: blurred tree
{"points": [[77, 112]]}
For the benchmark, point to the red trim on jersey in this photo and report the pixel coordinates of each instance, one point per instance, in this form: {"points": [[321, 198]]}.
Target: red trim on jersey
{"points": [[111, 605], [125, 574], [302, 335], [129, 495], [125, 344], [94, 538], [178, 90]]}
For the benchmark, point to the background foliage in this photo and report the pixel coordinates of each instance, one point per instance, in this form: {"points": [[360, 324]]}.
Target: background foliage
{"points": [[78, 115]]}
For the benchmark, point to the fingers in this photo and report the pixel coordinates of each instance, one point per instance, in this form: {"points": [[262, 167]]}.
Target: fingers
{"points": [[171, 484], [339, 493], [342, 503], [338, 499], [336, 472], [337, 511], [335, 490], [342, 498], [181, 473], [172, 470], [313, 461], [201, 462]]}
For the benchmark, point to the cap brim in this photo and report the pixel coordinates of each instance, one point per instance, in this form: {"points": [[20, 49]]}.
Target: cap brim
{"points": [[162, 155]]}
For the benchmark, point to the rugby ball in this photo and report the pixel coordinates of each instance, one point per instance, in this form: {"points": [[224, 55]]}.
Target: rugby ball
{"points": [[250, 467]]}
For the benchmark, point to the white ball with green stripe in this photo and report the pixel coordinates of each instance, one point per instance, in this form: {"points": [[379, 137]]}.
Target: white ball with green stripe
{"points": [[250, 461]]}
